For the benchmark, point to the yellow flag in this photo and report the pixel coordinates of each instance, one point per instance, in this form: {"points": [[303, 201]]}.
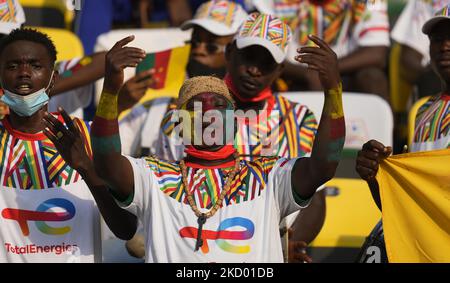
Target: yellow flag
{"points": [[415, 196], [170, 70]]}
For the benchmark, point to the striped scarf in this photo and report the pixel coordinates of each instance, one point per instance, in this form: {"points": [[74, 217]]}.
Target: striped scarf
{"points": [[433, 119]]}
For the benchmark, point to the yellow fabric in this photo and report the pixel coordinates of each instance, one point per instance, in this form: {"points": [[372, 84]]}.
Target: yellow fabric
{"points": [[415, 196], [176, 75], [400, 89], [67, 43]]}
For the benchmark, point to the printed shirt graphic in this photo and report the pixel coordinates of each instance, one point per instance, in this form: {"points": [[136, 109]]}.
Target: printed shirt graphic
{"points": [[291, 126], [244, 229], [344, 24], [432, 130], [47, 211]]}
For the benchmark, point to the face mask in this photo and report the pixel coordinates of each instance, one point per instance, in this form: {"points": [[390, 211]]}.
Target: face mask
{"points": [[27, 105], [195, 68]]}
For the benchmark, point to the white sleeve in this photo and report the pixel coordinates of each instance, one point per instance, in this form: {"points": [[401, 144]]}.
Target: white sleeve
{"points": [[408, 28], [130, 128], [143, 185], [282, 185], [373, 28]]}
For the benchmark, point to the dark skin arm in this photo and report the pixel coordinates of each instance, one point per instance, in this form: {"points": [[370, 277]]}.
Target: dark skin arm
{"points": [[86, 75], [310, 220], [72, 148], [411, 64], [297, 250], [362, 58], [367, 164], [310, 173], [109, 163], [179, 11]]}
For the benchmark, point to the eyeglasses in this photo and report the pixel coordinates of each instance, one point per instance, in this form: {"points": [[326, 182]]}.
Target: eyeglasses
{"points": [[211, 47]]}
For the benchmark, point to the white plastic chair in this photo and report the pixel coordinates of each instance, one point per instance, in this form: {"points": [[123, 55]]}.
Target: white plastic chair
{"points": [[367, 116]]}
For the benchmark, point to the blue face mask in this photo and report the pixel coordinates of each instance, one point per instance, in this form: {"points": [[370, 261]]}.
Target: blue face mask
{"points": [[27, 105]]}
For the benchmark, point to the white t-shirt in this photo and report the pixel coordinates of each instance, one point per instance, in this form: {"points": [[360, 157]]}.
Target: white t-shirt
{"points": [[140, 127], [245, 229], [48, 213], [408, 28]]}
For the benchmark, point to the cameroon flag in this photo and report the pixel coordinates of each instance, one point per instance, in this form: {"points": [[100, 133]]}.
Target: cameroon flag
{"points": [[415, 197], [158, 61], [170, 71]]}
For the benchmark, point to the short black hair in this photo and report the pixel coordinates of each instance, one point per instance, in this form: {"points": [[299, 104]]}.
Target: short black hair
{"points": [[33, 35]]}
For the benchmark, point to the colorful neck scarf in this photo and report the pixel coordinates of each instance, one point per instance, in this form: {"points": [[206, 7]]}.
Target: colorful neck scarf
{"points": [[221, 154]]}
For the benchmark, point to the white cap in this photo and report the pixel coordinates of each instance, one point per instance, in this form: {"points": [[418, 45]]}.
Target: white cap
{"points": [[267, 31], [219, 17]]}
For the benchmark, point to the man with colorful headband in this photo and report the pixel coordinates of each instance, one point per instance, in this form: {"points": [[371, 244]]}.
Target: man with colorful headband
{"points": [[283, 128], [200, 201], [357, 30], [432, 122]]}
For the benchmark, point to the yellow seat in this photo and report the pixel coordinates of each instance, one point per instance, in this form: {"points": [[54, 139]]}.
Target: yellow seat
{"points": [[351, 214], [59, 5], [412, 118], [67, 43], [400, 89]]}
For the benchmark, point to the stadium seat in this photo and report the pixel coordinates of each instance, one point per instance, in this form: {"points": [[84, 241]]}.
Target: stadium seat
{"points": [[351, 212], [47, 13], [412, 117], [67, 43], [400, 89]]}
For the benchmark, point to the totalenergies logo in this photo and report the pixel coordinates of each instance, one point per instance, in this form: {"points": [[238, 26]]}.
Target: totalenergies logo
{"points": [[222, 235], [42, 215]]}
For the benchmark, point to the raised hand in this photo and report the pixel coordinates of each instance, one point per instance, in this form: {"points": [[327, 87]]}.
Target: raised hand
{"points": [[369, 159], [118, 58], [68, 141], [135, 88], [323, 60]]}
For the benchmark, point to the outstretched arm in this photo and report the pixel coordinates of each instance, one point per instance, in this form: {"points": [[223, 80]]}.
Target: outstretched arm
{"points": [[84, 76], [71, 146], [310, 173], [109, 163], [364, 57]]}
